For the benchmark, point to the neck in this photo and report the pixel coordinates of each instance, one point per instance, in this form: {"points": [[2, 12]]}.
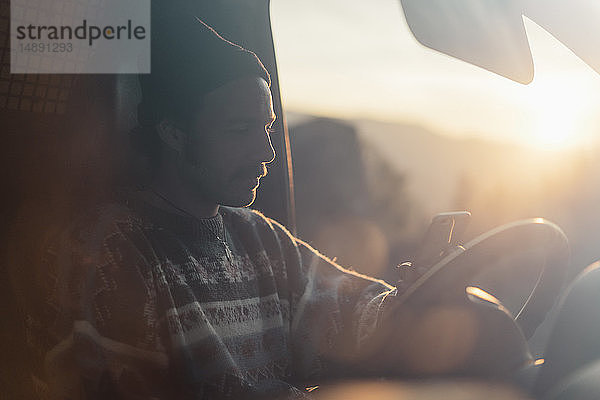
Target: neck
{"points": [[180, 196]]}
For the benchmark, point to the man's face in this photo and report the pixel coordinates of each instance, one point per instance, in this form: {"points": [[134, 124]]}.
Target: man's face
{"points": [[228, 145]]}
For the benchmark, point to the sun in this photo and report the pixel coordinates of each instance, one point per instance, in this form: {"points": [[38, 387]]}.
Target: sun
{"points": [[558, 113]]}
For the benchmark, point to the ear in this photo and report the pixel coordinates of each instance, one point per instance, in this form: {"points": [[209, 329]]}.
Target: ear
{"points": [[171, 136]]}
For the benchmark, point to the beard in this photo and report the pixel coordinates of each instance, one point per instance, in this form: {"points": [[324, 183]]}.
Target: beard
{"points": [[242, 186], [234, 189]]}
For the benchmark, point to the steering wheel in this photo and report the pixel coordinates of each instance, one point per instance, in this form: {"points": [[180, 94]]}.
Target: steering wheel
{"points": [[532, 240], [440, 325]]}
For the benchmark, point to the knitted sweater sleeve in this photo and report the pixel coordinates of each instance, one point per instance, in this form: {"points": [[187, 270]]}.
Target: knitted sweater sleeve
{"points": [[333, 310]]}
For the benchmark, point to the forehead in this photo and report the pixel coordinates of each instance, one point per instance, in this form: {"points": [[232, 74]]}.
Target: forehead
{"points": [[243, 99]]}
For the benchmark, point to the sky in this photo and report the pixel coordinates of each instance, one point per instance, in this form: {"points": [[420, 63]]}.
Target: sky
{"points": [[357, 59]]}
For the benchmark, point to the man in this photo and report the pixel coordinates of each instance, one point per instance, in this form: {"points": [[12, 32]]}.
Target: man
{"points": [[174, 291]]}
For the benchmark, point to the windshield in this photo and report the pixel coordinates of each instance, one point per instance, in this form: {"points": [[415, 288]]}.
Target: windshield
{"points": [[407, 132]]}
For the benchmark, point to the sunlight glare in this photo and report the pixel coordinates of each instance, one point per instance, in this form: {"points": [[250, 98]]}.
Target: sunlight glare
{"points": [[481, 294], [562, 100], [558, 111]]}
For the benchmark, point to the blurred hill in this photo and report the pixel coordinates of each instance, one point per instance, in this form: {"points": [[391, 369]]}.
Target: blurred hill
{"points": [[431, 173], [434, 163]]}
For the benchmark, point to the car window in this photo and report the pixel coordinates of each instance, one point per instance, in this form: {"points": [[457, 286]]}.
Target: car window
{"points": [[386, 133]]}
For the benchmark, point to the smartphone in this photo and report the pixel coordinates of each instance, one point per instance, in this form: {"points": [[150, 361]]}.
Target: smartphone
{"points": [[444, 233]]}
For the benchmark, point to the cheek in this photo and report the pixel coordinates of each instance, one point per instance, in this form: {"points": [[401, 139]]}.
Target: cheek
{"points": [[205, 152], [221, 157], [231, 152]]}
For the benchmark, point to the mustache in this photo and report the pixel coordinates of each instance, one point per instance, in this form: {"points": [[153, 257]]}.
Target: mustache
{"points": [[252, 172], [263, 171]]}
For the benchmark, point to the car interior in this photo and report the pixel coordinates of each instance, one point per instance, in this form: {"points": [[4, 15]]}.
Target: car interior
{"points": [[65, 144]]}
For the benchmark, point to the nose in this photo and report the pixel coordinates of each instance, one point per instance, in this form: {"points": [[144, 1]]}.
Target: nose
{"points": [[267, 151]]}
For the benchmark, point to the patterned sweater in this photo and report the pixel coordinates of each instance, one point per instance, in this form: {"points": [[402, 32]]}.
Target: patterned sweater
{"points": [[139, 302]]}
